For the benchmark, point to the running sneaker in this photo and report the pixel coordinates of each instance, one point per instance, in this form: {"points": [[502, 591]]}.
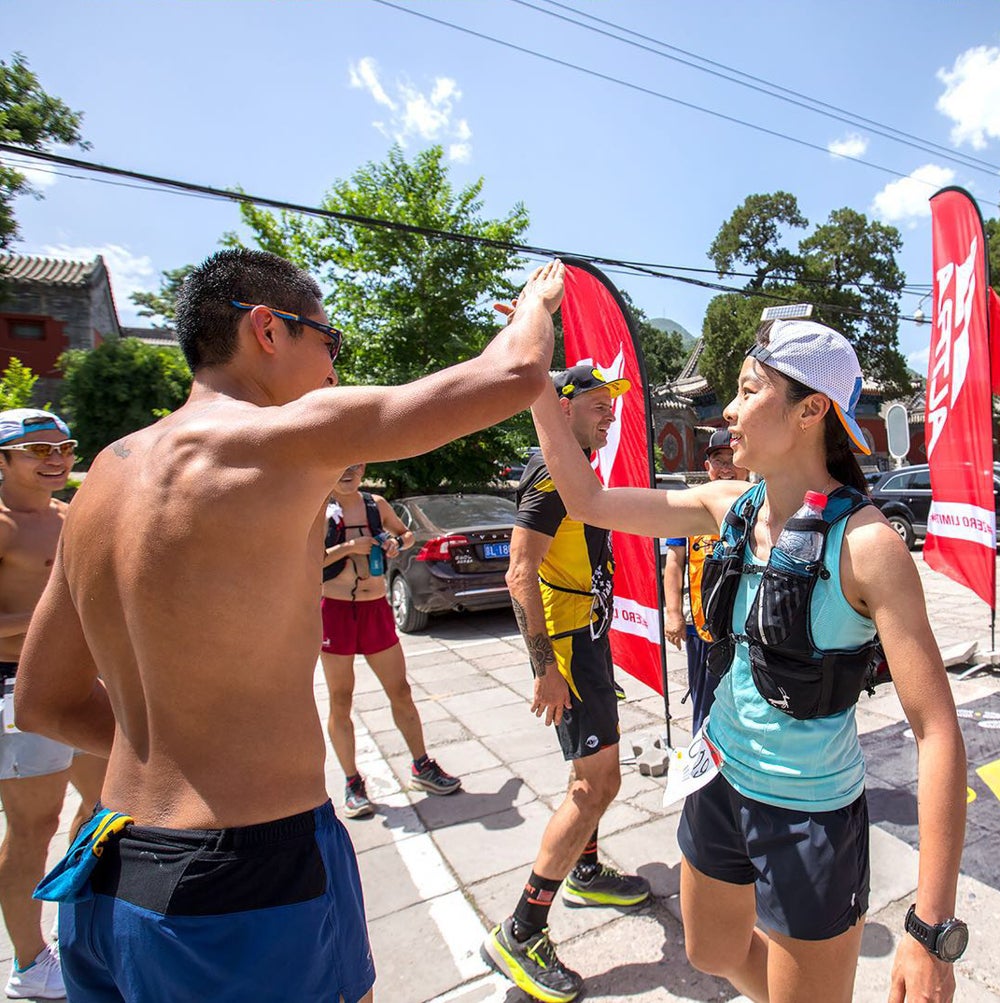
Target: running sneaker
{"points": [[356, 803], [607, 887], [42, 979], [532, 966], [433, 779]]}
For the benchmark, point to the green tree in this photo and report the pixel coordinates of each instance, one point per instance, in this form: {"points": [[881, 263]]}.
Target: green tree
{"points": [[31, 118], [992, 228], [409, 304], [119, 387], [163, 304], [17, 382], [846, 268]]}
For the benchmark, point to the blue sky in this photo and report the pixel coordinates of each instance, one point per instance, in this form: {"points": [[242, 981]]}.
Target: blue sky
{"points": [[283, 98]]}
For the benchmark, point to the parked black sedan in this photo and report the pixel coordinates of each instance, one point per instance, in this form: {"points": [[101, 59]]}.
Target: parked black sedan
{"points": [[904, 497], [458, 561]]}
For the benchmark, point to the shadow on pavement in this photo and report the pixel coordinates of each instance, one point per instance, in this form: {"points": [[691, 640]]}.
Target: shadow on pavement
{"points": [[491, 811], [672, 972], [876, 941]]}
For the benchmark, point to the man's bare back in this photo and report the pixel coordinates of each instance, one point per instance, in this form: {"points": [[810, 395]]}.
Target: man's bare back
{"points": [[197, 586], [192, 559]]}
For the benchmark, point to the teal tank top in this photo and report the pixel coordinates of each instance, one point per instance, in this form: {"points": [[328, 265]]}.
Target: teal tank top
{"points": [[814, 765]]}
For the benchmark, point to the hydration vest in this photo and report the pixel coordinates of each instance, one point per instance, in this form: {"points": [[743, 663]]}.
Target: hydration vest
{"points": [[698, 548], [336, 531], [789, 671]]}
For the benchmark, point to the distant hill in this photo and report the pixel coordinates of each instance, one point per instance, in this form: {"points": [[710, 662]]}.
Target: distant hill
{"points": [[672, 327]]}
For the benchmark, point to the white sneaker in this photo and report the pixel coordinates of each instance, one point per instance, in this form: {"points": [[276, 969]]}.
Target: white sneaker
{"points": [[42, 979]]}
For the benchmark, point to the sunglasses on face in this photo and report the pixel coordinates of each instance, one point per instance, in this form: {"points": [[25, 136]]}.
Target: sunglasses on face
{"points": [[43, 450], [336, 337]]}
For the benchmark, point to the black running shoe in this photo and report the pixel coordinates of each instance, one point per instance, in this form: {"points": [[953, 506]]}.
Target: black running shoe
{"points": [[433, 779], [607, 887], [532, 966]]}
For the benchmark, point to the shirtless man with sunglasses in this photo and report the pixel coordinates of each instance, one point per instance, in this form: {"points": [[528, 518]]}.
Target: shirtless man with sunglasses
{"points": [[185, 597], [36, 456]]}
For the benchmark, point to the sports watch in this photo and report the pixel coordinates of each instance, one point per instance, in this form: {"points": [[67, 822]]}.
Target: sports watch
{"points": [[946, 940]]}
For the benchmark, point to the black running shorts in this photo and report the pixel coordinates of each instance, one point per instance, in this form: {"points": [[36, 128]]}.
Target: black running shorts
{"points": [[591, 724], [810, 870]]}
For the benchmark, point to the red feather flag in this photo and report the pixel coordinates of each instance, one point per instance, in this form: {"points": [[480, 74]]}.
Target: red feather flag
{"points": [[961, 527], [599, 330]]}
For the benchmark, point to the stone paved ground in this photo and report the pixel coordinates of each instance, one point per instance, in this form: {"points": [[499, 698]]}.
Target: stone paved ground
{"points": [[439, 871]]}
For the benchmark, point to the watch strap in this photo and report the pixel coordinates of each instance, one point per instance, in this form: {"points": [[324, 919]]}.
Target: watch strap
{"points": [[919, 930]]}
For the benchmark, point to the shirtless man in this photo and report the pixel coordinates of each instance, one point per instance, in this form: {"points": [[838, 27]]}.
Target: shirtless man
{"points": [[180, 629], [357, 620], [33, 770]]}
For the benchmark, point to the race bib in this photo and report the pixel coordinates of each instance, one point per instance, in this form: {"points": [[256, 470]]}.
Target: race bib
{"points": [[690, 768]]}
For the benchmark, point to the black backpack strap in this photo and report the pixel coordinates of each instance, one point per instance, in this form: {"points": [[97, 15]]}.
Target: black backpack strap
{"points": [[372, 513]]}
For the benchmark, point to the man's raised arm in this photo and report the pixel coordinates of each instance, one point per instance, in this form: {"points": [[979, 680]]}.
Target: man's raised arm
{"points": [[385, 423]]}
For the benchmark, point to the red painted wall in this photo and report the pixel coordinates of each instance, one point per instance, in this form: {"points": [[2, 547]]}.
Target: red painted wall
{"points": [[39, 355]]}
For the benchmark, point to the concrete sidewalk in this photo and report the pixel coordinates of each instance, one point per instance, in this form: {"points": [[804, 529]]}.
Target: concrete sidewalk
{"points": [[438, 872]]}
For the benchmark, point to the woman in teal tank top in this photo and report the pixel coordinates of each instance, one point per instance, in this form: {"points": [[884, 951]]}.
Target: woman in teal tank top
{"points": [[775, 876]]}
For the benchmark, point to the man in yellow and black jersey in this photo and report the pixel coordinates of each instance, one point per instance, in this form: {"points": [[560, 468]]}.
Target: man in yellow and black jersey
{"points": [[560, 580]]}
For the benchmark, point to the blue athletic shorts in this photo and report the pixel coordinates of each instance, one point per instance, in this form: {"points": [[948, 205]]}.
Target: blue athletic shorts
{"points": [[810, 870], [270, 913]]}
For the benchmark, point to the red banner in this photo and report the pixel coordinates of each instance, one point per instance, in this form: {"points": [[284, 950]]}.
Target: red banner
{"points": [[961, 527], [598, 330]]}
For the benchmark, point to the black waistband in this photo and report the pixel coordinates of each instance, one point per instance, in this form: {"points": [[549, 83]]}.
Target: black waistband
{"points": [[8, 670], [235, 838]]}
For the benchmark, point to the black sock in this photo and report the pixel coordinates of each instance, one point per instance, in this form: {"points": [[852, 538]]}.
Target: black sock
{"points": [[354, 780], [587, 866], [421, 763], [532, 912]]}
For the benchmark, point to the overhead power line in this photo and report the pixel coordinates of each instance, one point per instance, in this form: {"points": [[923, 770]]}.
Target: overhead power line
{"points": [[150, 182], [760, 85], [597, 74]]}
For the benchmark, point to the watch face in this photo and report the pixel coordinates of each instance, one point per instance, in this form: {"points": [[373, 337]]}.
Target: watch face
{"points": [[952, 943]]}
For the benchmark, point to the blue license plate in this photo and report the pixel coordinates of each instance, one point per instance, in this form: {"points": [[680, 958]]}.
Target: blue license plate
{"points": [[493, 551]]}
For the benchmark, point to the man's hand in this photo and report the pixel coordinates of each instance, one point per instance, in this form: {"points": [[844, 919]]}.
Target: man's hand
{"points": [[545, 282], [551, 696], [674, 628], [919, 977]]}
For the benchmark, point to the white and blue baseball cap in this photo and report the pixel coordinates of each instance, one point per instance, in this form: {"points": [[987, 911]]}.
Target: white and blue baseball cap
{"points": [[821, 359], [24, 420]]}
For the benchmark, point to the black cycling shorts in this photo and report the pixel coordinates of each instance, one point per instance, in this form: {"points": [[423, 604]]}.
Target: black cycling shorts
{"points": [[591, 724]]}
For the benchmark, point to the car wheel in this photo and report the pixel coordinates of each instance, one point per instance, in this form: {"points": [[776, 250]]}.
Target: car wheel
{"points": [[408, 618], [902, 526]]}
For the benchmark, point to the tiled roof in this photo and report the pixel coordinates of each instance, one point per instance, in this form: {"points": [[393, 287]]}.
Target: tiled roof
{"points": [[51, 271], [152, 335]]}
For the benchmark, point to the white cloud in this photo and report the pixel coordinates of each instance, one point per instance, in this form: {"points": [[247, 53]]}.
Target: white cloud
{"points": [[917, 361], [427, 116], [852, 145], [364, 76], [129, 273], [906, 200], [971, 97], [40, 175]]}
